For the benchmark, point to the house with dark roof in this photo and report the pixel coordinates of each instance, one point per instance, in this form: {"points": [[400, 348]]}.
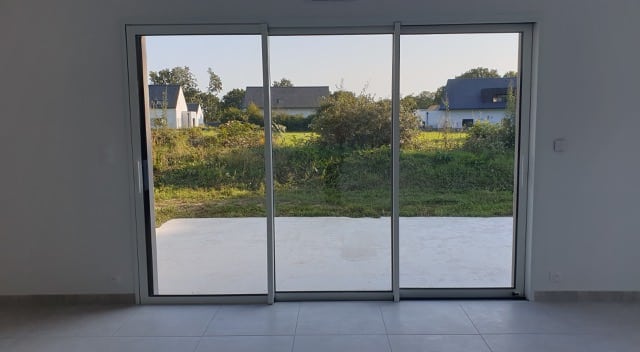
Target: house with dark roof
{"points": [[288, 100], [168, 101], [468, 100]]}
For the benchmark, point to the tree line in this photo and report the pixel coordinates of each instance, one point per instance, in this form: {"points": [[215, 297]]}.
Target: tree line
{"points": [[230, 106]]}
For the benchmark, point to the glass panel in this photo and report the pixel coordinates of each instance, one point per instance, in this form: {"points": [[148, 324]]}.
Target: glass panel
{"points": [[456, 171], [208, 165], [332, 162]]}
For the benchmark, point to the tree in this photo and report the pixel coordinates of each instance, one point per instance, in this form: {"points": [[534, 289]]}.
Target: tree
{"points": [[423, 100], [480, 72], [255, 115], [215, 83], [410, 101], [181, 76], [233, 114], [284, 82], [233, 98], [510, 74], [439, 96], [210, 106]]}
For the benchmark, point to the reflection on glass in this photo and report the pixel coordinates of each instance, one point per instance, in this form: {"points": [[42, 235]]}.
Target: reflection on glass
{"points": [[456, 173], [332, 115], [207, 153]]}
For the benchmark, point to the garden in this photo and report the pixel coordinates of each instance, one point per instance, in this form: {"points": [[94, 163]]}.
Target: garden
{"points": [[339, 166]]}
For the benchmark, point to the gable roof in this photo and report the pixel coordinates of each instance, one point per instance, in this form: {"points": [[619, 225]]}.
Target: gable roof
{"points": [[157, 95], [287, 97], [193, 107], [477, 93]]}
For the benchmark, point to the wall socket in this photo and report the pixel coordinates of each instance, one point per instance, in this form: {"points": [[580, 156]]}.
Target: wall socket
{"points": [[555, 277], [560, 145]]}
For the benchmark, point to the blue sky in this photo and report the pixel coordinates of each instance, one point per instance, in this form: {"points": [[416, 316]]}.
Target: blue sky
{"points": [[354, 62]]}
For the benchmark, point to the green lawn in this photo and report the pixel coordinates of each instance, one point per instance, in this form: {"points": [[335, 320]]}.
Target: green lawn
{"points": [[210, 203]]}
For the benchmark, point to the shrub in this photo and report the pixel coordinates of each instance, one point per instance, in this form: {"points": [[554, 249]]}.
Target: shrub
{"points": [[293, 123], [255, 115], [240, 134], [345, 119], [486, 137], [233, 114]]}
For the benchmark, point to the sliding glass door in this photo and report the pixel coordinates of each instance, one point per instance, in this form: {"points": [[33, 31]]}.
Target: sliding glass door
{"points": [[331, 110], [457, 171], [206, 166], [350, 163]]}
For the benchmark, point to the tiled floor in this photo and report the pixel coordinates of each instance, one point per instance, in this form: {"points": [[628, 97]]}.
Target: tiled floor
{"points": [[440, 326]]}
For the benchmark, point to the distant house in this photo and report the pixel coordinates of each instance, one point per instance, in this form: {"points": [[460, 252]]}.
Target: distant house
{"points": [[470, 100], [168, 101], [195, 108], [288, 100]]}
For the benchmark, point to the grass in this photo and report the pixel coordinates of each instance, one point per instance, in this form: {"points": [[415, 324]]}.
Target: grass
{"points": [[291, 139], [436, 140], [205, 180], [210, 203]]}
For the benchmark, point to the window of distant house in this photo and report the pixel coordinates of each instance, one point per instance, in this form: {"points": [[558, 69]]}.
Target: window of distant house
{"points": [[499, 98]]}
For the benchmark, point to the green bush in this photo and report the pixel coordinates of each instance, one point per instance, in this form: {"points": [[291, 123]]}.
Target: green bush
{"points": [[240, 134], [486, 137], [345, 119], [255, 115], [293, 123], [233, 114]]}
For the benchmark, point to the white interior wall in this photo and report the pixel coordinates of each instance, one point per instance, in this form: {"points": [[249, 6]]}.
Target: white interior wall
{"points": [[65, 216]]}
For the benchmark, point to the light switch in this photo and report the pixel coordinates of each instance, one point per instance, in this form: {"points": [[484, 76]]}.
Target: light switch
{"points": [[560, 145]]}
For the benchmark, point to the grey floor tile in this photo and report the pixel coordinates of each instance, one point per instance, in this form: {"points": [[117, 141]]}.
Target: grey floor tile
{"points": [[426, 318], [438, 343], [341, 343], [167, 321], [600, 317], [246, 344], [277, 319], [562, 343], [317, 318], [105, 344], [508, 317], [83, 320]]}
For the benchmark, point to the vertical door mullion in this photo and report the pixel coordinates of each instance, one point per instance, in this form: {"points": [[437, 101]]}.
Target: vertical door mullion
{"points": [[523, 126], [147, 169], [268, 158], [395, 165]]}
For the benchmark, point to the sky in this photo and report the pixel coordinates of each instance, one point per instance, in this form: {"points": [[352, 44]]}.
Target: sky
{"points": [[359, 63]]}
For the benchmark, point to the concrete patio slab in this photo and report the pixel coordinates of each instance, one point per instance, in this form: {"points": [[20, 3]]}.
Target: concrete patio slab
{"points": [[228, 255]]}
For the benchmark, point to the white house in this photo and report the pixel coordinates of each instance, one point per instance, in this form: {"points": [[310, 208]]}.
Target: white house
{"points": [[168, 101], [288, 100], [469, 100], [196, 114]]}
